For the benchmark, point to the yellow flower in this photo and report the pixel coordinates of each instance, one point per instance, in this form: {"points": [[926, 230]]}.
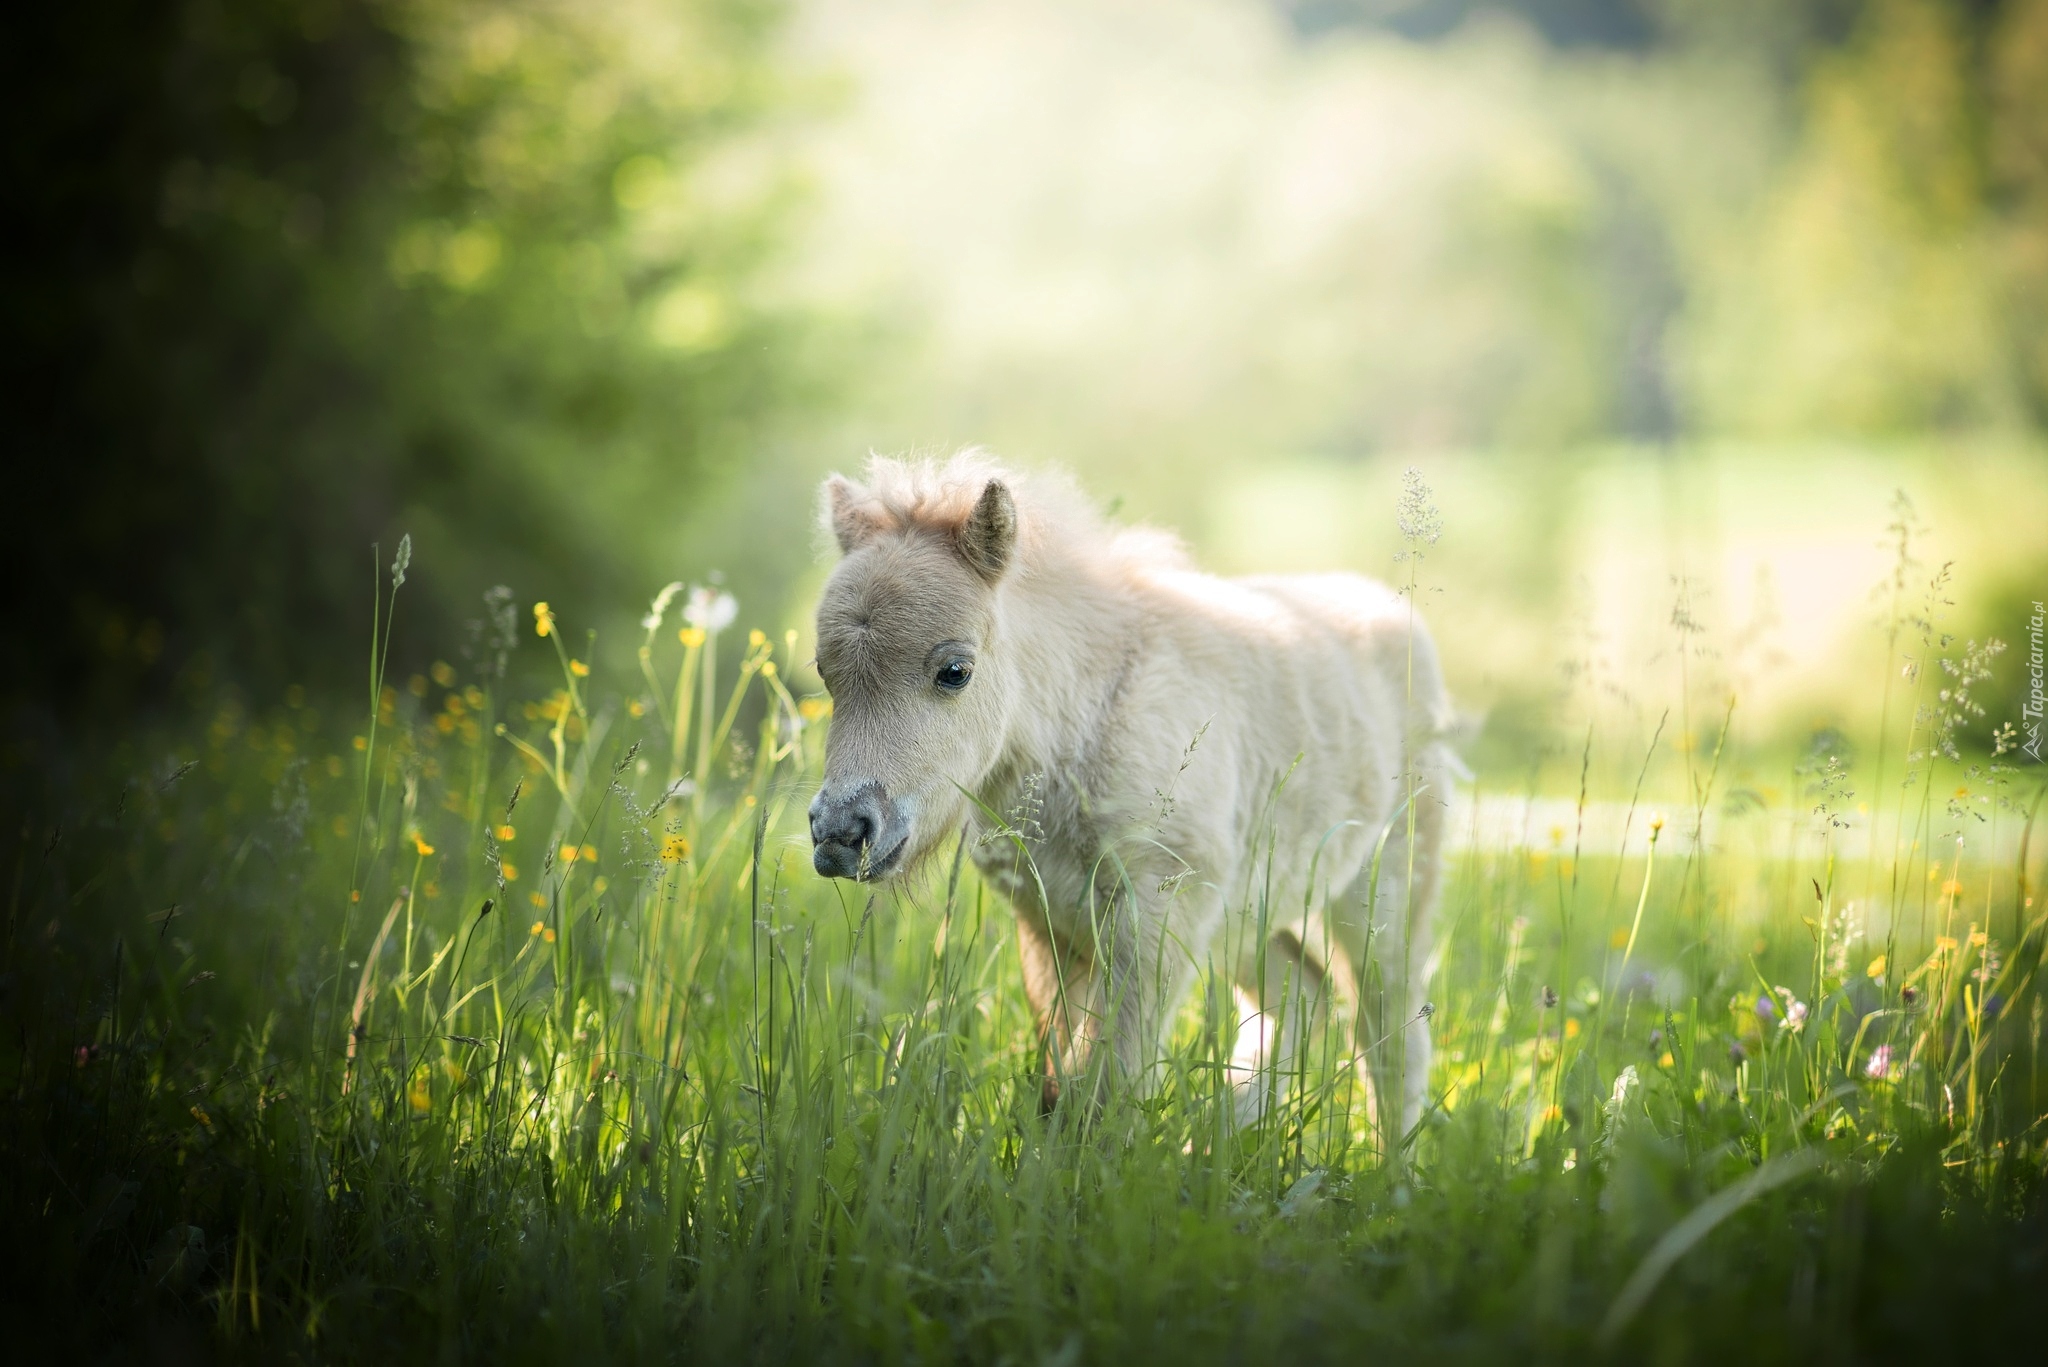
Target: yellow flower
{"points": [[548, 935], [600, 884], [570, 854], [543, 619], [675, 849], [1951, 888], [813, 709], [538, 927], [1619, 939], [1665, 1060], [419, 843], [1571, 1029], [202, 1117], [506, 832], [768, 669], [420, 1096], [509, 869], [1656, 824], [579, 669], [636, 708], [443, 672], [1943, 943], [360, 743], [755, 639], [1876, 969], [454, 1071], [691, 636]]}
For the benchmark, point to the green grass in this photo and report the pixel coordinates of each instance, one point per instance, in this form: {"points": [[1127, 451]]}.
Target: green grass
{"points": [[521, 1031]]}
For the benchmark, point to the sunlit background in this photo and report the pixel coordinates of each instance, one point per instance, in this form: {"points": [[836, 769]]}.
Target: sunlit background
{"points": [[1669, 301]]}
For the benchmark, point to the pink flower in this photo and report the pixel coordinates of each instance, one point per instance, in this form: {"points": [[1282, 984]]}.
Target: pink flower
{"points": [[1880, 1065]]}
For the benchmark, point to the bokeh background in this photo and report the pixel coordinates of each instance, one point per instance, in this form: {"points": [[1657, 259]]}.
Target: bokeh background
{"points": [[1669, 301]]}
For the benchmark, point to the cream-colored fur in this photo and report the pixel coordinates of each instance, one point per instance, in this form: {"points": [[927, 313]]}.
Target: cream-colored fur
{"points": [[1150, 760]]}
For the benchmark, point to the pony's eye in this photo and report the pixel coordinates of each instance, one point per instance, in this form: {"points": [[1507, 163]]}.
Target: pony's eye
{"points": [[953, 675]]}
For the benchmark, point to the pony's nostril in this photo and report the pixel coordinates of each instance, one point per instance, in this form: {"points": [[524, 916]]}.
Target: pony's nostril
{"points": [[852, 826]]}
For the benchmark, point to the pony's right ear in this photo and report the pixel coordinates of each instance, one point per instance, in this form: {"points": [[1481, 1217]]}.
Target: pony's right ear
{"points": [[855, 516]]}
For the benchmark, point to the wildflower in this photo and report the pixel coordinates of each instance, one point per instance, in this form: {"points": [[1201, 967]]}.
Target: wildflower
{"points": [[579, 669], [360, 743], [711, 609], [538, 927], [1795, 1010], [1656, 825], [420, 1096], [1879, 1067], [756, 639], [443, 673], [1766, 1009], [1549, 997], [1656, 1041], [1993, 1004], [1910, 996], [675, 849], [691, 636], [509, 869], [1737, 1055], [1876, 970], [506, 832], [1571, 1029], [1665, 1060], [636, 708], [589, 853], [419, 843], [543, 619], [570, 854], [199, 1114], [814, 709]]}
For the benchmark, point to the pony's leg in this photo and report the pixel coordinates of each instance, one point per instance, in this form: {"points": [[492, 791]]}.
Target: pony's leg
{"points": [[1149, 948], [1387, 948], [1061, 983], [1281, 995]]}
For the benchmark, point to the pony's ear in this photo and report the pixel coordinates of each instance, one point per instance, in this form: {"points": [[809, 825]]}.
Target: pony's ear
{"points": [[989, 534], [853, 514]]}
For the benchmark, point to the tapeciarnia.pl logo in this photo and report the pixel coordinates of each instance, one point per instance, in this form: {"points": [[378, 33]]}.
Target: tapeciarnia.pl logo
{"points": [[2031, 710]]}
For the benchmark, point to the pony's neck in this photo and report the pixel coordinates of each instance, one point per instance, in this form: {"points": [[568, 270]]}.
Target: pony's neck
{"points": [[1072, 635]]}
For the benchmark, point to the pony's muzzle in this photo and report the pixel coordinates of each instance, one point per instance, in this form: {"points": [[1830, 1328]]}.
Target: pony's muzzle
{"points": [[856, 834]]}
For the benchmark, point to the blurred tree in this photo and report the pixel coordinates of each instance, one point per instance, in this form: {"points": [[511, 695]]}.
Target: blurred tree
{"points": [[2018, 90], [293, 277]]}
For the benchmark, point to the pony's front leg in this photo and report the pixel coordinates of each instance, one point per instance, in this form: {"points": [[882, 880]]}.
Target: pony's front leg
{"points": [[1150, 962], [1065, 993]]}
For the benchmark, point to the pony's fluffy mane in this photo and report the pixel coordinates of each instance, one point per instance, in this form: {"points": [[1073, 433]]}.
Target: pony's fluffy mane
{"points": [[1055, 520]]}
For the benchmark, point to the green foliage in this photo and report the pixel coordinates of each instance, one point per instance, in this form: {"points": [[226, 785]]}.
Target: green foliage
{"points": [[305, 273], [516, 1027]]}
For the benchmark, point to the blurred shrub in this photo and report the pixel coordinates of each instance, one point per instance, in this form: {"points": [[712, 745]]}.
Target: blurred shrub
{"points": [[291, 278]]}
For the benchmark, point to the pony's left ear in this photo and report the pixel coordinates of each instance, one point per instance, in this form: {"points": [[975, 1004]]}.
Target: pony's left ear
{"points": [[989, 535]]}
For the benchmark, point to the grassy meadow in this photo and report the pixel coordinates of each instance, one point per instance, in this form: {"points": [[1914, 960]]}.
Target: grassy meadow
{"points": [[501, 1018]]}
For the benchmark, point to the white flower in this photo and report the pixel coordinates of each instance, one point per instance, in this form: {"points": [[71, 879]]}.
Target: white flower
{"points": [[711, 609]]}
